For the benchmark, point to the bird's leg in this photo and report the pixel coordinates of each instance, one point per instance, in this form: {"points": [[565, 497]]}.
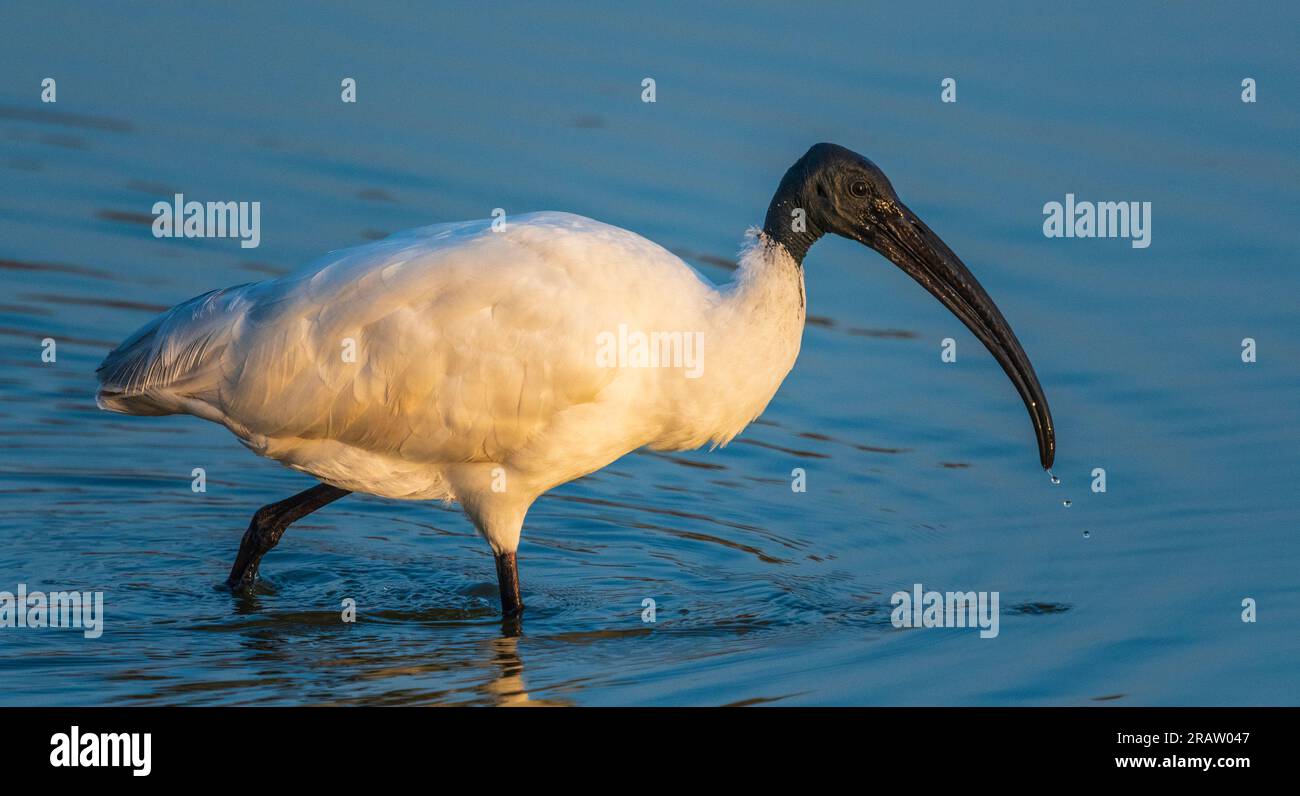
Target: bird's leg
{"points": [[508, 580], [269, 524]]}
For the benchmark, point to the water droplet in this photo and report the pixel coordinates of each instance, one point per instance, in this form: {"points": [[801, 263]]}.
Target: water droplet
{"points": [[1087, 534], [1055, 480], [1066, 503]]}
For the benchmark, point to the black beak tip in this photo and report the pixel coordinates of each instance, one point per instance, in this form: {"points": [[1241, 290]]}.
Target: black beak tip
{"points": [[1047, 444]]}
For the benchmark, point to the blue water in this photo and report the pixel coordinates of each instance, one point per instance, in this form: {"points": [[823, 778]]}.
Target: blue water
{"points": [[917, 471]]}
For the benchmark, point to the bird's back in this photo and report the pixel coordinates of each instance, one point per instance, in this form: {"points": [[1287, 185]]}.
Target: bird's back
{"points": [[455, 342]]}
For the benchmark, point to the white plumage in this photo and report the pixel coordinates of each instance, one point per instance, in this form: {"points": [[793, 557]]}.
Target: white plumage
{"points": [[476, 375]]}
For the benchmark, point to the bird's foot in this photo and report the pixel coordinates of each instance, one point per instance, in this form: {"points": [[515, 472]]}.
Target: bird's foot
{"points": [[258, 539], [242, 584]]}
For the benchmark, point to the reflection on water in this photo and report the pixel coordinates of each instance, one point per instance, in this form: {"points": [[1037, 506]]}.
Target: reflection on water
{"points": [[915, 471]]}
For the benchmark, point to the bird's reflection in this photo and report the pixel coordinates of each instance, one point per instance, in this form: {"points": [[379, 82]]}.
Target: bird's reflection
{"points": [[507, 689], [363, 663]]}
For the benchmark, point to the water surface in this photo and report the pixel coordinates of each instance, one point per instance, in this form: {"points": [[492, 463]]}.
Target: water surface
{"points": [[917, 471]]}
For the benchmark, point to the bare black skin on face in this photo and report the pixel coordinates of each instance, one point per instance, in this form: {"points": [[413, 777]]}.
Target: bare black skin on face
{"points": [[841, 192]]}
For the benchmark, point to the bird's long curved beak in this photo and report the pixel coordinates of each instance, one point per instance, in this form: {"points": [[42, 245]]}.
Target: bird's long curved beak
{"points": [[911, 245]]}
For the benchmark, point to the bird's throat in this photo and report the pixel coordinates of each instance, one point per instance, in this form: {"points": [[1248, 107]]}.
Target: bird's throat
{"points": [[789, 221]]}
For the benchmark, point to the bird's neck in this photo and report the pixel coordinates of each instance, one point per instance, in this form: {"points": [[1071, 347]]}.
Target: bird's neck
{"points": [[788, 221], [755, 336], [751, 337], [768, 288]]}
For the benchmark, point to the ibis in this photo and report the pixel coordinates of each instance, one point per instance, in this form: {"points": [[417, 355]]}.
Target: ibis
{"points": [[468, 361]]}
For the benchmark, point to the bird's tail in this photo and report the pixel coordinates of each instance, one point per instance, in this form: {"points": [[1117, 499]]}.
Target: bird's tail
{"points": [[173, 357]]}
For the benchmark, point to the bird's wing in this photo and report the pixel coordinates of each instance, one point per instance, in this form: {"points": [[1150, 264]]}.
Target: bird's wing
{"points": [[449, 343]]}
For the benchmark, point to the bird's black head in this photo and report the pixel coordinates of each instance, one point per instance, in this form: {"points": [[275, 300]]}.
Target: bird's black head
{"points": [[829, 189], [833, 189]]}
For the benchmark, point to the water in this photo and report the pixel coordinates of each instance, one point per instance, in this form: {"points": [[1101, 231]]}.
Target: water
{"points": [[917, 471]]}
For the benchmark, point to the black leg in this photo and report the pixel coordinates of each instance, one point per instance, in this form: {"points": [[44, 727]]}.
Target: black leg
{"points": [[508, 580], [269, 524]]}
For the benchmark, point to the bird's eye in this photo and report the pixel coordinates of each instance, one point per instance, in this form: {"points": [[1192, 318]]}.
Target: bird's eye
{"points": [[858, 188]]}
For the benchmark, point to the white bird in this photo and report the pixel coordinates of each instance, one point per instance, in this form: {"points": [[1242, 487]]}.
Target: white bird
{"points": [[487, 364]]}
